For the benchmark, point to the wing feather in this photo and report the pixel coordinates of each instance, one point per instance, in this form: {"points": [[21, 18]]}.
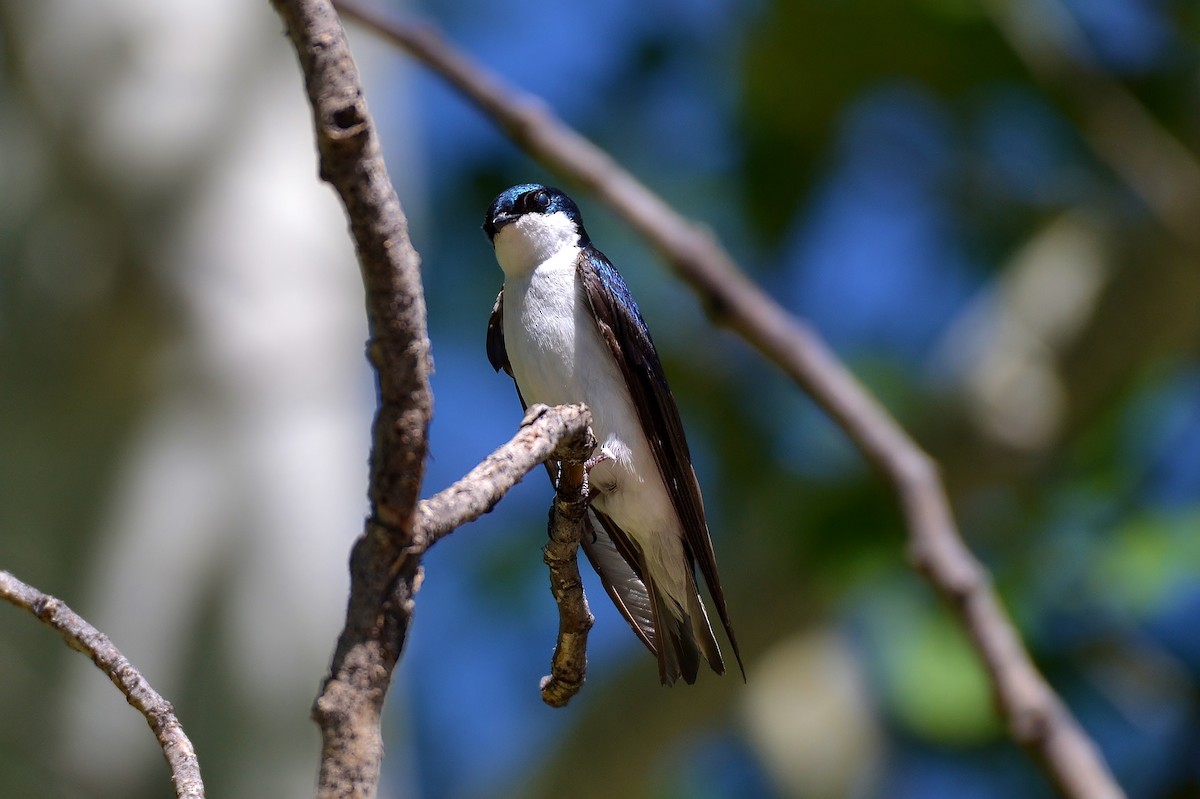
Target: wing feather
{"points": [[611, 555], [622, 327], [608, 549], [496, 352]]}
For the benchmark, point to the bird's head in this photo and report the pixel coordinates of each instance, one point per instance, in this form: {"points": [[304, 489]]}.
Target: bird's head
{"points": [[530, 223]]}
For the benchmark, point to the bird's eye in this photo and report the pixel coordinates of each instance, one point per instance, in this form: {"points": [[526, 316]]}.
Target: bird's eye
{"points": [[539, 200]]}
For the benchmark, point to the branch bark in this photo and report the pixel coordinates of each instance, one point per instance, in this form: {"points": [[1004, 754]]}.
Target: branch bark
{"points": [[559, 434], [545, 432], [568, 525], [83, 637], [384, 574], [385, 562], [1035, 716]]}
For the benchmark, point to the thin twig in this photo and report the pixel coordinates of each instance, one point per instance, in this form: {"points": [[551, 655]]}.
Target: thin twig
{"points": [[543, 431], [1036, 717], [83, 637], [568, 524], [384, 574], [559, 434]]}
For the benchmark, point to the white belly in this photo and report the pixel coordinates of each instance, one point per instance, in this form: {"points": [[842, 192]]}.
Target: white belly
{"points": [[558, 357]]}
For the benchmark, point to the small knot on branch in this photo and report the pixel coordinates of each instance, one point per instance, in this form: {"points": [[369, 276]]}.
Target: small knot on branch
{"points": [[1031, 725], [952, 570], [346, 121], [349, 119], [533, 413]]}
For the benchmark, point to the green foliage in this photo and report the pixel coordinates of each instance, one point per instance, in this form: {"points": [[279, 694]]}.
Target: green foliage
{"points": [[1146, 558], [931, 681]]}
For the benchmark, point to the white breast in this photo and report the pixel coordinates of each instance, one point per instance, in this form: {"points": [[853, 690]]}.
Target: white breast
{"points": [[558, 357], [555, 348]]}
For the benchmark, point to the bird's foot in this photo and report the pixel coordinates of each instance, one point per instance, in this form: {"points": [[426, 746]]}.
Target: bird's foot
{"points": [[590, 464], [596, 460]]}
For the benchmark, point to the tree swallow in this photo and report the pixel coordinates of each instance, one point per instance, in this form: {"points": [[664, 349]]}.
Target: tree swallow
{"points": [[567, 330]]}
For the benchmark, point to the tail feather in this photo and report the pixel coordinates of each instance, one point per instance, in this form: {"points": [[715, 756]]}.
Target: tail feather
{"points": [[677, 652], [677, 636], [702, 631], [620, 573]]}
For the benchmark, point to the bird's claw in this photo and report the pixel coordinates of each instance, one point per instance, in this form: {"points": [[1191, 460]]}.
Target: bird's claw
{"points": [[596, 460], [588, 465]]}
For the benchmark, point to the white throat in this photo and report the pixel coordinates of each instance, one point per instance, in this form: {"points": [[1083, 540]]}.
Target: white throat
{"points": [[533, 239]]}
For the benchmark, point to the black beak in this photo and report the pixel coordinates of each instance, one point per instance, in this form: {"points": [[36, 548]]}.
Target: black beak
{"points": [[493, 225]]}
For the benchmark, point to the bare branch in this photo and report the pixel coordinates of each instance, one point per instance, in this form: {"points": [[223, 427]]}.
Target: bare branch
{"points": [[383, 571], [543, 431], [83, 637], [1036, 717], [567, 526], [558, 434]]}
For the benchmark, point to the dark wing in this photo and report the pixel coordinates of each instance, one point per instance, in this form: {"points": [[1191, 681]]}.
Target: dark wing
{"points": [[622, 327], [676, 642], [606, 547], [614, 558], [497, 355]]}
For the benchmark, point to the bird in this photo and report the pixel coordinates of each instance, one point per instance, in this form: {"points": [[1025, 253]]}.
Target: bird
{"points": [[566, 328]]}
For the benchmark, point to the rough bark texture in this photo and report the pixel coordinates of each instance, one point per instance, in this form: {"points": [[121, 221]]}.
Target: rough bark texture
{"points": [[545, 434], [383, 574], [567, 526], [83, 637]]}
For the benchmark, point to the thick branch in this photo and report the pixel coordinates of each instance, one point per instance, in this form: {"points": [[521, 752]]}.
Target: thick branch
{"points": [[83, 637], [383, 575], [1036, 717]]}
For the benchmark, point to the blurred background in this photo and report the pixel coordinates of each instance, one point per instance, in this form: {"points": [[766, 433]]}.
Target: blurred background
{"points": [[990, 210]]}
